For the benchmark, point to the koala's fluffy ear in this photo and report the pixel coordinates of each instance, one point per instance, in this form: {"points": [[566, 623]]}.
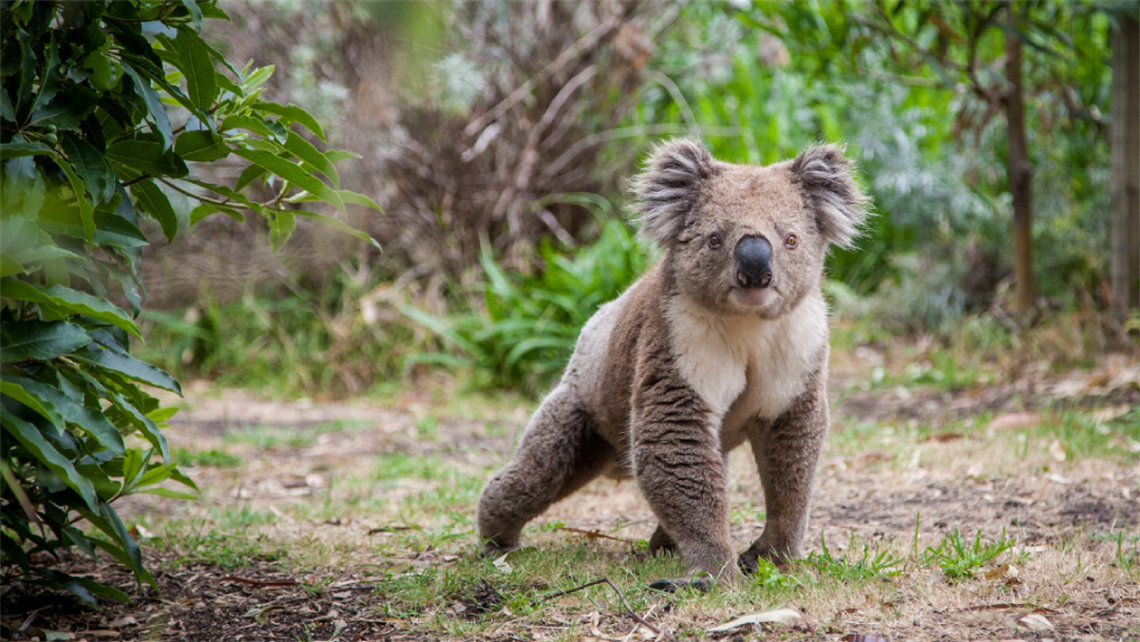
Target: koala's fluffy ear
{"points": [[669, 187], [825, 175]]}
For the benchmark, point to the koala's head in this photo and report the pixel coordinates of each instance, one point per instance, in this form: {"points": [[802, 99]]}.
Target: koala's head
{"points": [[744, 239]]}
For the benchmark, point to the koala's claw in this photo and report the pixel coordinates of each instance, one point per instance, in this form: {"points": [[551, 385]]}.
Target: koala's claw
{"points": [[491, 550], [702, 584], [747, 564]]}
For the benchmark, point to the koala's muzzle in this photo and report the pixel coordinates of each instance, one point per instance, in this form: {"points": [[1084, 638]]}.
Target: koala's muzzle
{"points": [[753, 262]]}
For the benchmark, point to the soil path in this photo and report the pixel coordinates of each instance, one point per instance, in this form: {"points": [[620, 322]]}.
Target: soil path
{"points": [[873, 488]]}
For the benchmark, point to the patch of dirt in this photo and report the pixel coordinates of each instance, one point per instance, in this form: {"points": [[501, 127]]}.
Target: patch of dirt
{"points": [[204, 603], [951, 483]]}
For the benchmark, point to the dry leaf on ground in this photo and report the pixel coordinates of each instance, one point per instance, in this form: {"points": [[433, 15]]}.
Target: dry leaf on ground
{"points": [[1035, 622], [1109, 413], [1057, 450], [501, 564], [1013, 420], [777, 616]]}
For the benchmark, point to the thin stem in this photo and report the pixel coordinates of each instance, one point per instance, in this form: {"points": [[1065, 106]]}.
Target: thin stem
{"points": [[605, 580]]}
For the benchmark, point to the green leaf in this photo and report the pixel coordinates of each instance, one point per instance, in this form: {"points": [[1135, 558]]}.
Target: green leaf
{"points": [[130, 367], [91, 166], [338, 224], [133, 465], [16, 150], [160, 122], [129, 545], [86, 209], [201, 146], [147, 156], [166, 492], [252, 123], [153, 201], [292, 173], [439, 326], [199, 69], [280, 229], [89, 418], [358, 199], [162, 414], [30, 438], [195, 12], [32, 339], [44, 408], [56, 579], [295, 114], [49, 83], [257, 79], [68, 300], [248, 175], [305, 151], [206, 209], [145, 425], [337, 155], [6, 111], [102, 589]]}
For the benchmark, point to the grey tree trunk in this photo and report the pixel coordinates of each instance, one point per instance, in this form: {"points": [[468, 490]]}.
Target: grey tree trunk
{"points": [[1020, 178], [1125, 178]]}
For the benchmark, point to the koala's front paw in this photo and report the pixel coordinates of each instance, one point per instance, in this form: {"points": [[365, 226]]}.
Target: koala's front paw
{"points": [[495, 549]]}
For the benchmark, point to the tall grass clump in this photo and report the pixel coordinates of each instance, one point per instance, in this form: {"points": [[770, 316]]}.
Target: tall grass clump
{"points": [[329, 341], [520, 330]]}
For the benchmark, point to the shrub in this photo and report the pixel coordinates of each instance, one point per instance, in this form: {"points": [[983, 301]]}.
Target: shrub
{"points": [[88, 146], [528, 325]]}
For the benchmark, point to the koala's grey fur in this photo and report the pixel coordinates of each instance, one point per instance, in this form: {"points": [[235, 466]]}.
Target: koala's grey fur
{"points": [[686, 365]]}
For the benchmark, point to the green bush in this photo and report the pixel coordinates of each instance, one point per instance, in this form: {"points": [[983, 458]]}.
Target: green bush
{"points": [[88, 147], [527, 326]]}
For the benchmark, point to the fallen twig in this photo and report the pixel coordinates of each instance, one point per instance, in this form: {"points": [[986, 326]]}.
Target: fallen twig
{"points": [[597, 535], [242, 580], [605, 580]]}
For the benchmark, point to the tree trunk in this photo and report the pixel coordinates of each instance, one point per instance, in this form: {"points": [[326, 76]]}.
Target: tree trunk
{"points": [[1125, 178], [1020, 178]]}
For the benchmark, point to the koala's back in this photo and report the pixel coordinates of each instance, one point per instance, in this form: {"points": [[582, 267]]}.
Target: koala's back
{"points": [[604, 362]]}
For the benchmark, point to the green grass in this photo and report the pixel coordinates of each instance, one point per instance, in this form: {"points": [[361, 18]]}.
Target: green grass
{"points": [[866, 568], [226, 545], [265, 437], [958, 557], [1081, 435], [211, 457]]}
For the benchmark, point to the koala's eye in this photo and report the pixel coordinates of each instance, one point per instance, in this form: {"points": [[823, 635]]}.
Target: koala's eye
{"points": [[791, 241], [714, 241]]}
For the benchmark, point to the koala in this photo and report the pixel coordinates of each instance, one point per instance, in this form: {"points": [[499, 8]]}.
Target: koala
{"points": [[724, 340]]}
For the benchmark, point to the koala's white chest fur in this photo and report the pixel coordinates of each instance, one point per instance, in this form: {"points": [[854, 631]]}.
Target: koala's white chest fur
{"points": [[749, 366]]}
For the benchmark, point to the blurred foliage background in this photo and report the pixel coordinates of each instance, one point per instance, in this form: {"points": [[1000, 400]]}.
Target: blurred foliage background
{"points": [[498, 137]]}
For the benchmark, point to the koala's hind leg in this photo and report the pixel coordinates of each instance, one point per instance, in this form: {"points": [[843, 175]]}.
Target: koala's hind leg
{"points": [[787, 452], [559, 453]]}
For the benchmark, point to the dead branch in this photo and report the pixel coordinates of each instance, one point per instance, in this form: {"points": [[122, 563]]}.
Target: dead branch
{"points": [[629, 610]]}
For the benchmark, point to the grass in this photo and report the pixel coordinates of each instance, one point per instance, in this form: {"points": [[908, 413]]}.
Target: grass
{"points": [[866, 568], [959, 558], [212, 457], [398, 513]]}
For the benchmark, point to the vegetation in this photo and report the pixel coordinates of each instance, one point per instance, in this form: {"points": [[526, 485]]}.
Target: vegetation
{"points": [[90, 147]]}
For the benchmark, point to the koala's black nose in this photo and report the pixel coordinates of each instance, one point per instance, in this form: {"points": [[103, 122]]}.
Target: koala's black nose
{"points": [[753, 262]]}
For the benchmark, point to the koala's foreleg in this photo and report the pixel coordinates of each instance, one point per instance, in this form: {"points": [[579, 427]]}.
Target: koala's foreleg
{"points": [[787, 452], [681, 471], [559, 454]]}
